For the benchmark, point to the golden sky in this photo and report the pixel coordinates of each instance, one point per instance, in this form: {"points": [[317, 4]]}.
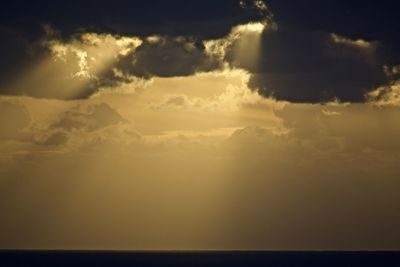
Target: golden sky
{"points": [[193, 161]]}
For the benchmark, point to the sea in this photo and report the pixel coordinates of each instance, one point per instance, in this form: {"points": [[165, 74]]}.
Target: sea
{"points": [[59, 258]]}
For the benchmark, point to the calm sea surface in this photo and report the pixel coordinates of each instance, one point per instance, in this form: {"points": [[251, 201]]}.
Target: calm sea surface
{"points": [[209, 258]]}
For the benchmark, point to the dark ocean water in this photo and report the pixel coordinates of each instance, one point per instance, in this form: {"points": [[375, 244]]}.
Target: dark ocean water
{"points": [[232, 258]]}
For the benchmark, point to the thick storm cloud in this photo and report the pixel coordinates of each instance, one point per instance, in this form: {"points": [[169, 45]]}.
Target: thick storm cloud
{"points": [[309, 52], [314, 66]]}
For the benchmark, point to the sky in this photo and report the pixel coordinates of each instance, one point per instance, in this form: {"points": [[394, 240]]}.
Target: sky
{"points": [[199, 125]]}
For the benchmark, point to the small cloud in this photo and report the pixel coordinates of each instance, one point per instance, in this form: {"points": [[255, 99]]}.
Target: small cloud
{"points": [[255, 134], [360, 43], [90, 117], [385, 95], [259, 4], [393, 72], [176, 100], [330, 112]]}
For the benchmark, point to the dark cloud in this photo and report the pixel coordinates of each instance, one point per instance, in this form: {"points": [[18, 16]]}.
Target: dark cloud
{"points": [[168, 57], [299, 62], [314, 66]]}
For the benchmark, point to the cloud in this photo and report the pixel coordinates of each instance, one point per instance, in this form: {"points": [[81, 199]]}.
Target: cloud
{"points": [[290, 58], [233, 98], [77, 127], [311, 66], [385, 95], [71, 69], [108, 61], [79, 67], [90, 117], [70, 57], [286, 63], [167, 57], [359, 43]]}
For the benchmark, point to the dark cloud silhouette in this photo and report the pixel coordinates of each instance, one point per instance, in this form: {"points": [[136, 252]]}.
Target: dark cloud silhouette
{"points": [[168, 57], [314, 66]]}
